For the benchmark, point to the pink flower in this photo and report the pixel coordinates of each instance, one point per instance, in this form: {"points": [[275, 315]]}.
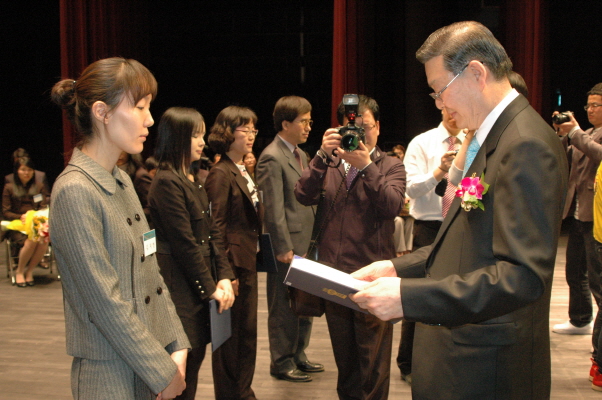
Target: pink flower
{"points": [[471, 191]]}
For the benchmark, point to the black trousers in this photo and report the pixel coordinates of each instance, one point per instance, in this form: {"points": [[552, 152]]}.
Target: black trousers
{"points": [[582, 271], [234, 361], [425, 233]]}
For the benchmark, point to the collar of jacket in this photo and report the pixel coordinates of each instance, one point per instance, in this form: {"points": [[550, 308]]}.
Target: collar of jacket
{"points": [[108, 182]]}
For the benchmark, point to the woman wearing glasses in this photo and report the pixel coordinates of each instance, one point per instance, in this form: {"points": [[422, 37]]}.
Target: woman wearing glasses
{"points": [[235, 209]]}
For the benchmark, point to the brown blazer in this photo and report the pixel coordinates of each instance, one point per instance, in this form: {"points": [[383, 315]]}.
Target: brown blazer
{"points": [[234, 213], [586, 154], [13, 207]]}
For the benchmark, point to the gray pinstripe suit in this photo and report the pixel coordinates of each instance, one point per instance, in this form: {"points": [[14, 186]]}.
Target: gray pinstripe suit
{"points": [[120, 321]]}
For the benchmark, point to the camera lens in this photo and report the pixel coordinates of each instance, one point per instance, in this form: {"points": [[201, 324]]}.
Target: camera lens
{"points": [[350, 141]]}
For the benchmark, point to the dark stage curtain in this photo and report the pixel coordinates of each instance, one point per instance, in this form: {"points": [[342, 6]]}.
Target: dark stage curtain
{"points": [[345, 74], [524, 26], [96, 29]]}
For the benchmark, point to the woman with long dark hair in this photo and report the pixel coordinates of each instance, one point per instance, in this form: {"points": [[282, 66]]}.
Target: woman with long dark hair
{"points": [[19, 197], [235, 209], [122, 328], [187, 239]]}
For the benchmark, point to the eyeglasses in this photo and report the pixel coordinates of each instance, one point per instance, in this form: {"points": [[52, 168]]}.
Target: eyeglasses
{"points": [[306, 122], [592, 105], [249, 133], [437, 96], [368, 127]]}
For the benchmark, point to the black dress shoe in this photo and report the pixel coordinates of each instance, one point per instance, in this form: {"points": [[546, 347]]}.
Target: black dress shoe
{"points": [[22, 284], [307, 366], [30, 283], [292, 376]]}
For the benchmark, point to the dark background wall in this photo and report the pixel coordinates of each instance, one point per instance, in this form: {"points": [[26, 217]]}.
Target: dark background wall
{"points": [[210, 54]]}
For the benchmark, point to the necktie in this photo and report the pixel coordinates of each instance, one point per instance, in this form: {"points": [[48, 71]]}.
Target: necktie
{"points": [[298, 157], [472, 151], [450, 191], [351, 174]]}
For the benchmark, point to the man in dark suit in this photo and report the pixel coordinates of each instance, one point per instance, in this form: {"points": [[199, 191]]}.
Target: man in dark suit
{"points": [[289, 225], [480, 294]]}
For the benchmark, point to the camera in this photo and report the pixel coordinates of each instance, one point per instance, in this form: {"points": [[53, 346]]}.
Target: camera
{"points": [[561, 118], [352, 134]]}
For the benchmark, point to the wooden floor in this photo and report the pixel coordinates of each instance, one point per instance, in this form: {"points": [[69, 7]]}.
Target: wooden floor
{"points": [[34, 366]]}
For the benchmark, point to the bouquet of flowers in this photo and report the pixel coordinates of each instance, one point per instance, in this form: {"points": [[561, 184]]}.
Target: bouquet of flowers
{"points": [[40, 227], [35, 225], [471, 191]]}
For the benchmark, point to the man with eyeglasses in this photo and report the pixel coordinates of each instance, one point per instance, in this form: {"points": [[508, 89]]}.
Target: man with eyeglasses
{"points": [[289, 225], [583, 267], [364, 192], [480, 294]]}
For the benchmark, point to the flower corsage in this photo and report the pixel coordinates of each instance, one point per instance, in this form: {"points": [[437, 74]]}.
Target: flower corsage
{"points": [[471, 191]]}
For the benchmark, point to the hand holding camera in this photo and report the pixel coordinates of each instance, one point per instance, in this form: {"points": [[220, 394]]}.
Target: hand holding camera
{"points": [[563, 122]]}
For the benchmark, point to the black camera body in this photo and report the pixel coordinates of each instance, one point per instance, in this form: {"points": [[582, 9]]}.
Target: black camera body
{"points": [[351, 134], [561, 118]]}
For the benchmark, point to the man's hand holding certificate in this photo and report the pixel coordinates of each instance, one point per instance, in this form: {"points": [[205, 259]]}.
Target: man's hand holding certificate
{"points": [[382, 296]]}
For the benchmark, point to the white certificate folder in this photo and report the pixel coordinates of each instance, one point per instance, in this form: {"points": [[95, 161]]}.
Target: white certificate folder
{"points": [[323, 281]]}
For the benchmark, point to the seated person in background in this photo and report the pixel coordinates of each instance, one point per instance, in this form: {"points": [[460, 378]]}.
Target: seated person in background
{"points": [[39, 175], [399, 151], [24, 194]]}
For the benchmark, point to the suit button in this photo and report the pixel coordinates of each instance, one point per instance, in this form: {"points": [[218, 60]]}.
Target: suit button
{"points": [[159, 290], [142, 258], [147, 299], [137, 217], [129, 221], [197, 282]]}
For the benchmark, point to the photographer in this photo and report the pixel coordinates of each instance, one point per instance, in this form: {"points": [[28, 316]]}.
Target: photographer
{"points": [[582, 264], [364, 192]]}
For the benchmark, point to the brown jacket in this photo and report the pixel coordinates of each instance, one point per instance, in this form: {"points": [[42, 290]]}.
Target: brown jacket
{"points": [[234, 213], [359, 227], [586, 150]]}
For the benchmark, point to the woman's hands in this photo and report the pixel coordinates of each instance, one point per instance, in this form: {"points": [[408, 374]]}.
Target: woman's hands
{"points": [[224, 294]]}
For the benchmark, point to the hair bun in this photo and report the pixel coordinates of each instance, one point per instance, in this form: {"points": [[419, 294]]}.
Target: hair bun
{"points": [[62, 92]]}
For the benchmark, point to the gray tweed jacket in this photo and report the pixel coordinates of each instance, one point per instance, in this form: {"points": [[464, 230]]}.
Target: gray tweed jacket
{"points": [[117, 306]]}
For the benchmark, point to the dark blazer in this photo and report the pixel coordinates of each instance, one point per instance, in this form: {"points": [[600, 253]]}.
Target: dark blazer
{"points": [[185, 235], [586, 155], [359, 228], [13, 207], [482, 291], [234, 213]]}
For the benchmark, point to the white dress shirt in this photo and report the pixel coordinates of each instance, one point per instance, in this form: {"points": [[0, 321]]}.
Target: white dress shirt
{"points": [[422, 158]]}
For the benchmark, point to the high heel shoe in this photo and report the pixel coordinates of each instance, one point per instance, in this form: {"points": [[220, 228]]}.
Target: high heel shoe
{"points": [[30, 283], [22, 284]]}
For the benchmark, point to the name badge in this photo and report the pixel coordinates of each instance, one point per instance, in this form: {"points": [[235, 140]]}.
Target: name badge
{"points": [[149, 240], [38, 198]]}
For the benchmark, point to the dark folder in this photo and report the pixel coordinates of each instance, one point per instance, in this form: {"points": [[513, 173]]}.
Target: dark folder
{"points": [[221, 325]]}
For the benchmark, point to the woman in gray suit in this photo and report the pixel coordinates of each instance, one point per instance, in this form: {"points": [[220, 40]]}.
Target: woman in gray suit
{"points": [[187, 238], [122, 328]]}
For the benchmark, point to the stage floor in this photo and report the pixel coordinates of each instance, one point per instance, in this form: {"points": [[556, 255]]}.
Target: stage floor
{"points": [[34, 366]]}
